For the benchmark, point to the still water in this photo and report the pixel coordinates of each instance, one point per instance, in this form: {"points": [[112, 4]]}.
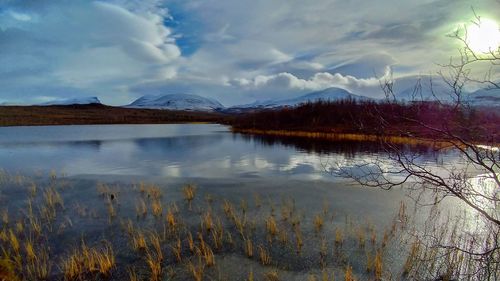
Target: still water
{"points": [[177, 151]]}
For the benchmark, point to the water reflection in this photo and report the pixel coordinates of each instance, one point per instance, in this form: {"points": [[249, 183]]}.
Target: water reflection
{"points": [[208, 151]]}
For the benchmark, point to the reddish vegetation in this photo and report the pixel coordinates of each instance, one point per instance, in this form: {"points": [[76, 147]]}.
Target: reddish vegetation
{"points": [[96, 114], [370, 118]]}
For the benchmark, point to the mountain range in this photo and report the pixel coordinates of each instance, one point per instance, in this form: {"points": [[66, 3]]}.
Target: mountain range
{"points": [[73, 101], [177, 102], [404, 90]]}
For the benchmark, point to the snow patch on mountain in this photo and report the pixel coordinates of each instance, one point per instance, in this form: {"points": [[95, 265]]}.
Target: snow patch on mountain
{"points": [[485, 97], [73, 101], [177, 102], [329, 94]]}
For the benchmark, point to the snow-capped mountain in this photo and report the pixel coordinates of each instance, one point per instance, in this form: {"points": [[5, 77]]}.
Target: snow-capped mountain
{"points": [[73, 101], [177, 102], [485, 97], [428, 88], [330, 94]]}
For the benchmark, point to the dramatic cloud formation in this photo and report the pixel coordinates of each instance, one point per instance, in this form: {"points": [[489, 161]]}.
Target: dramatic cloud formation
{"points": [[235, 51]]}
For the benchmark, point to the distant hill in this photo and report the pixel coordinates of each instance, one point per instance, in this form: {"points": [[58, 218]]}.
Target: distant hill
{"points": [[485, 97], [177, 102], [329, 94], [73, 101]]}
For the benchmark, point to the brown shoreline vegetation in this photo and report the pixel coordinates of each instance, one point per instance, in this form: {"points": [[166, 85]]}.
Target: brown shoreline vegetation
{"points": [[427, 123], [94, 114], [346, 137]]}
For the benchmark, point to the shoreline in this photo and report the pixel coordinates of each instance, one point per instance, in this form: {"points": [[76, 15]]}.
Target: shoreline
{"points": [[345, 137], [99, 115]]}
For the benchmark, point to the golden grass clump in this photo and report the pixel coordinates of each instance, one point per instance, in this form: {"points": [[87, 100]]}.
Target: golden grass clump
{"points": [[271, 226], [197, 271], [86, 261], [154, 264], [264, 257], [189, 192], [412, 257], [207, 221], [318, 222], [177, 250], [132, 274], [250, 275], [228, 209], [53, 198], [154, 240], [299, 242], [8, 269], [339, 239], [156, 208], [378, 264], [5, 216], [171, 220], [39, 267], [248, 247], [138, 241], [272, 275], [348, 274], [218, 235], [153, 192], [361, 237], [190, 242]]}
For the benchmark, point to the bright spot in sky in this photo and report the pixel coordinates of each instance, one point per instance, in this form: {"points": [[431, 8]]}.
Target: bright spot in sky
{"points": [[484, 37]]}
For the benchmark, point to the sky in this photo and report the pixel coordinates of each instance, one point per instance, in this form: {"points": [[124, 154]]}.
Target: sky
{"points": [[234, 51]]}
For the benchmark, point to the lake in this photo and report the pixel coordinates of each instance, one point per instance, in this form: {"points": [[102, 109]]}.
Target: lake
{"points": [[105, 173], [178, 150]]}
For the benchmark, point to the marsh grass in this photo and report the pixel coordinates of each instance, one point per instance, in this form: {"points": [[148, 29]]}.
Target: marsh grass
{"points": [[276, 240]]}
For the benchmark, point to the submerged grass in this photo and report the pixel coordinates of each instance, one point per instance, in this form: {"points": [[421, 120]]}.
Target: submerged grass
{"points": [[121, 242]]}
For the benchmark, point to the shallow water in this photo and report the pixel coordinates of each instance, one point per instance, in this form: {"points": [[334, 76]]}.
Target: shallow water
{"points": [[178, 150], [223, 166]]}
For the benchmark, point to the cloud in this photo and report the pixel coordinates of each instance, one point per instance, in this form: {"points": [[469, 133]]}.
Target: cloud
{"points": [[93, 48], [287, 82], [366, 66], [236, 51]]}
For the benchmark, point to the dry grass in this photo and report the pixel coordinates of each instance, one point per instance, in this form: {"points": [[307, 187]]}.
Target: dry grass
{"points": [[154, 264], [348, 274], [40, 266], [88, 261], [132, 274], [412, 257], [197, 271], [177, 250], [189, 192], [171, 220], [346, 137], [138, 241], [154, 240], [264, 257], [339, 238], [318, 222], [248, 247], [250, 276], [156, 208], [207, 222], [378, 266], [272, 275], [23, 239], [271, 226]]}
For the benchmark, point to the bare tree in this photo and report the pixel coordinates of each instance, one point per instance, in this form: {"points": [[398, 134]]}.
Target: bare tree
{"points": [[467, 246]]}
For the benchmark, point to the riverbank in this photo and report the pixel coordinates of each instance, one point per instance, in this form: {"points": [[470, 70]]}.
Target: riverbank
{"points": [[96, 114], [346, 137]]}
